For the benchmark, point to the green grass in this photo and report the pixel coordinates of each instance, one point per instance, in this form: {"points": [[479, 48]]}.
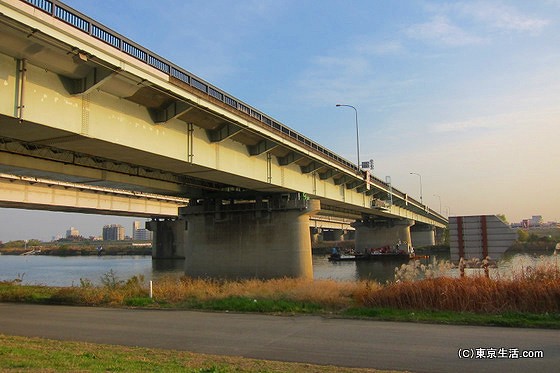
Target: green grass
{"points": [[20, 354], [243, 304], [507, 319]]}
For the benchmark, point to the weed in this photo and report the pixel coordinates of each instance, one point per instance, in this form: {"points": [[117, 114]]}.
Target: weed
{"points": [[110, 280]]}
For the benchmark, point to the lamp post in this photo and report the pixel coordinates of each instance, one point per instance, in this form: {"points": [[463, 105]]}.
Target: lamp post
{"points": [[438, 196], [357, 133], [420, 176]]}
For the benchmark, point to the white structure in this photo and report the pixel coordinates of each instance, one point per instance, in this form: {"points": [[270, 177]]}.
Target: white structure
{"points": [[479, 237]]}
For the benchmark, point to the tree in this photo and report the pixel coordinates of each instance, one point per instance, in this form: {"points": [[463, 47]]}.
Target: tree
{"points": [[522, 236], [503, 218]]}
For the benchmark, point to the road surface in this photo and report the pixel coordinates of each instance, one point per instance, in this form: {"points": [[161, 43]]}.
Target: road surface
{"points": [[309, 339]]}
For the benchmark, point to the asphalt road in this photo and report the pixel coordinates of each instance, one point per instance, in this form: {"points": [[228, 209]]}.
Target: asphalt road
{"points": [[309, 339]]}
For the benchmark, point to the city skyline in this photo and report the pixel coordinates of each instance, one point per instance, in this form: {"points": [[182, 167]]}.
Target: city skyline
{"points": [[88, 225], [464, 94]]}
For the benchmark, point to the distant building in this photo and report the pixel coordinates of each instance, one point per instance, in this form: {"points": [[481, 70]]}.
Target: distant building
{"points": [[113, 232], [140, 233], [72, 232], [536, 221]]}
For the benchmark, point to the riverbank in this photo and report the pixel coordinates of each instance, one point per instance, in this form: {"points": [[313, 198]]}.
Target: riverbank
{"points": [[81, 249], [528, 298], [89, 248]]}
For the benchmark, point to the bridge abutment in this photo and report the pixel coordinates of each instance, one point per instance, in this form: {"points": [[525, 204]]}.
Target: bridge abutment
{"points": [[423, 235], [375, 234], [168, 241], [249, 240]]}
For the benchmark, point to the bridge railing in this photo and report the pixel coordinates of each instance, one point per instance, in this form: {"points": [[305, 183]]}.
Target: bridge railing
{"points": [[89, 26], [93, 28]]}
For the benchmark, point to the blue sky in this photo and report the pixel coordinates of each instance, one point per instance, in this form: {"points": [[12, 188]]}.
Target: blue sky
{"points": [[464, 93]]}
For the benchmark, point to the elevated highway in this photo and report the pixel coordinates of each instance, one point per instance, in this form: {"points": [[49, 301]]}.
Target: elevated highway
{"points": [[81, 103]]}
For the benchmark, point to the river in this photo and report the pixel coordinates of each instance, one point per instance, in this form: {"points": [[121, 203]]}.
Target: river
{"points": [[68, 271]]}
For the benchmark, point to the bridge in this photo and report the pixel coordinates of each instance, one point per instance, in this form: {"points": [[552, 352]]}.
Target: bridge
{"points": [[82, 104]]}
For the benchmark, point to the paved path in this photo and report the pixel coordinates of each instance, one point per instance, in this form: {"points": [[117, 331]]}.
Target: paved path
{"points": [[310, 339]]}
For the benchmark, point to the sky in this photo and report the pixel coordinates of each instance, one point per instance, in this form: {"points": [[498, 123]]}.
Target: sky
{"points": [[464, 94]]}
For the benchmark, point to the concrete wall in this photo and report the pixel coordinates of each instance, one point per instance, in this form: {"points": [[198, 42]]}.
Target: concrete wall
{"points": [[422, 235], [379, 234], [169, 238], [248, 244]]}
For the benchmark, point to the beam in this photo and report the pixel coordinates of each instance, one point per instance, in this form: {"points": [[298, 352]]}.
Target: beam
{"points": [[41, 194], [174, 110], [312, 166], [354, 184], [342, 180], [289, 158], [331, 172], [261, 147], [94, 79], [224, 132]]}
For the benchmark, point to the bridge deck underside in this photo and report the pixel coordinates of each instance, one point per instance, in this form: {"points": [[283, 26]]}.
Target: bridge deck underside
{"points": [[73, 109]]}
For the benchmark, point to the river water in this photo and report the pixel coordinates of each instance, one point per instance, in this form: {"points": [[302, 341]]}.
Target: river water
{"points": [[68, 271]]}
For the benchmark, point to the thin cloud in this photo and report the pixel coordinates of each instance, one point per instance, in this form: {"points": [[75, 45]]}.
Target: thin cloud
{"points": [[441, 30], [499, 16], [388, 47], [511, 121]]}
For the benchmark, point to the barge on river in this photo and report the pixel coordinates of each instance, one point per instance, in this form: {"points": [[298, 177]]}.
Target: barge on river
{"points": [[382, 253]]}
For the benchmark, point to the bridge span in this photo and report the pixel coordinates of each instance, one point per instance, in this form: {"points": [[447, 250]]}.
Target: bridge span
{"points": [[80, 103]]}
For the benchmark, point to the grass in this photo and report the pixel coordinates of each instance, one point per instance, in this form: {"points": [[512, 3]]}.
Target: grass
{"points": [[20, 354], [430, 294], [527, 298], [506, 319]]}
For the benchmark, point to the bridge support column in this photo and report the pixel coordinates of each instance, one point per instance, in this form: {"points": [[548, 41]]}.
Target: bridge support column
{"points": [[349, 235], [374, 234], [333, 234], [249, 240], [440, 235], [315, 234], [168, 240], [423, 235]]}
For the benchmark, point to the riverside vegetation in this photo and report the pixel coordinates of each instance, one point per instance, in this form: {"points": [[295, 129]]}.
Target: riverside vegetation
{"points": [[529, 297], [420, 293]]}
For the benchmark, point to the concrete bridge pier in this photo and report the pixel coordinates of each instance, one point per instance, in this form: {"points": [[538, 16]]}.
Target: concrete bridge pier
{"points": [[249, 240], [168, 241], [423, 235], [378, 233], [333, 234], [316, 234]]}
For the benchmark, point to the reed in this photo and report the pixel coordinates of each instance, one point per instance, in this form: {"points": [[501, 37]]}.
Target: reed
{"points": [[532, 289]]}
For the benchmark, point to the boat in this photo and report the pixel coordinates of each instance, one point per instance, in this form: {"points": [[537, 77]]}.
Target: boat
{"points": [[388, 252], [347, 257], [340, 255], [381, 253]]}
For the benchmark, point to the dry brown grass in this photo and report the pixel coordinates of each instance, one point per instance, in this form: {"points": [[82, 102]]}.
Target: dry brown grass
{"points": [[328, 293], [534, 288], [529, 289]]}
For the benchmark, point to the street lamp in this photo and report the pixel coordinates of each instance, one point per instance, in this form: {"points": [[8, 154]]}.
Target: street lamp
{"points": [[357, 133], [420, 176], [438, 196]]}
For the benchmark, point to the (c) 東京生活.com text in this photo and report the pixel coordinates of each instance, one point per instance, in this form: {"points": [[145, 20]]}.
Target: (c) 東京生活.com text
{"points": [[498, 353]]}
